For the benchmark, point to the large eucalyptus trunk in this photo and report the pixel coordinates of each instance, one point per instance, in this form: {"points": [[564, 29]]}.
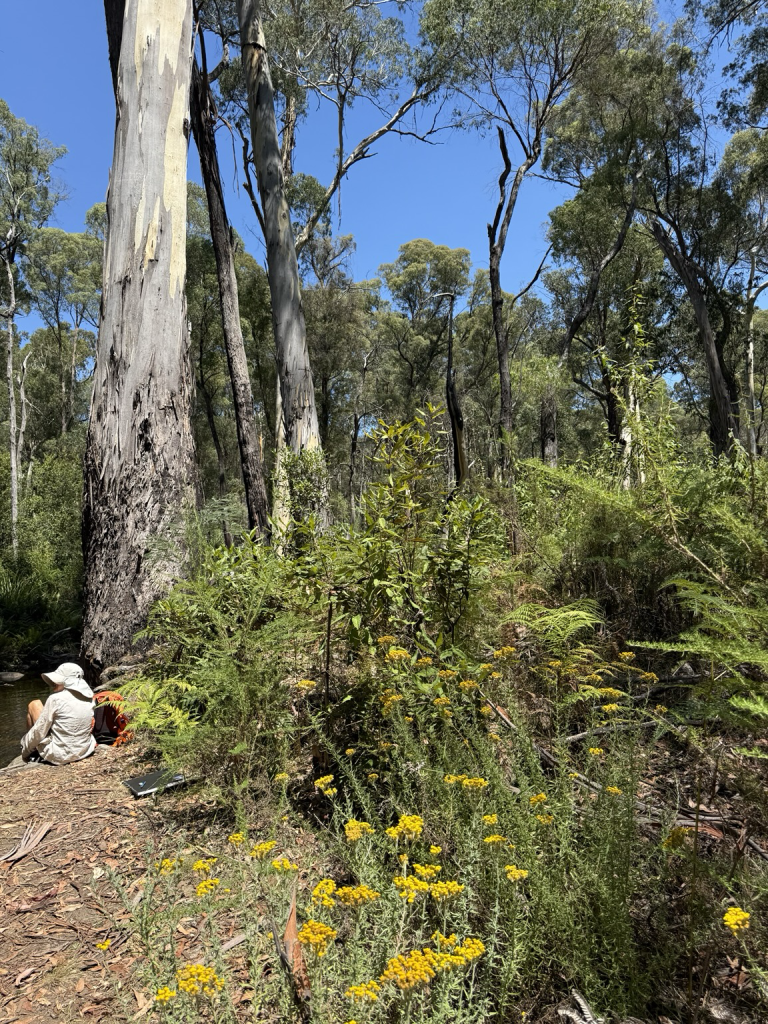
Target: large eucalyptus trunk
{"points": [[203, 120], [296, 385], [139, 461]]}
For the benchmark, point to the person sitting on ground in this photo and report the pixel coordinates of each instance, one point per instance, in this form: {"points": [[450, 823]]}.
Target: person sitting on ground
{"points": [[59, 731]]}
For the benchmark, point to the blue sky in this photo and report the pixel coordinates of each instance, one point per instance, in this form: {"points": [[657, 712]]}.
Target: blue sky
{"points": [[54, 73]]}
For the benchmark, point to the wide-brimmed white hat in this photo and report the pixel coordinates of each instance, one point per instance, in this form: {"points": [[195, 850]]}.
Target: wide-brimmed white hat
{"points": [[71, 677]]}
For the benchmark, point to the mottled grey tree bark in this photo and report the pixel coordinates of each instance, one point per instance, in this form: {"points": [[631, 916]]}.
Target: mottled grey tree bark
{"points": [[203, 120], [296, 385], [139, 462]]}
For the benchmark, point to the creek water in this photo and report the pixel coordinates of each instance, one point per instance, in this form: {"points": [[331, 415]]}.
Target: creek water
{"points": [[14, 698]]}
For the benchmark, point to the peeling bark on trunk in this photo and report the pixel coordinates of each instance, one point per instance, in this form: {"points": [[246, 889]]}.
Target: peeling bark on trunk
{"points": [[296, 385], [139, 472], [203, 120]]}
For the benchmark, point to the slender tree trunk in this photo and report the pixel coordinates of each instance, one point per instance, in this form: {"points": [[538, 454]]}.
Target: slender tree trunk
{"points": [[139, 473], [72, 376], [723, 396], [281, 492], [9, 314], [548, 419], [203, 120], [298, 395], [497, 240], [288, 142], [751, 403]]}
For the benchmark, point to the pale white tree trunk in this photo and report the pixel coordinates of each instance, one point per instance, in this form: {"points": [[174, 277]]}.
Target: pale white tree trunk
{"points": [[139, 464]]}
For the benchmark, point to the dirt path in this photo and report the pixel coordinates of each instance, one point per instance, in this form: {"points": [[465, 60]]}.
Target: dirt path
{"points": [[56, 902]]}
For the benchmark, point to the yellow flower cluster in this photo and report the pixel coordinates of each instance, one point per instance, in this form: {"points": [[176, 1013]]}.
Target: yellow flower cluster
{"points": [[441, 940], [494, 737], [486, 666], [609, 691], [593, 678], [676, 838], [626, 656], [317, 936], [515, 874], [367, 992], [355, 830], [545, 819], [595, 751], [372, 776], [609, 708], [423, 662], [468, 782], [168, 865], [440, 891], [283, 864], [388, 700], [613, 790], [486, 710], [649, 677], [237, 839], [539, 798], [419, 967], [305, 685], [736, 919], [197, 979], [386, 639], [397, 654], [427, 870], [204, 866], [504, 652], [467, 685], [260, 850], [386, 745], [322, 894], [410, 826], [281, 777], [662, 709], [104, 946], [446, 673], [491, 819], [349, 751], [474, 783], [495, 838], [495, 675], [409, 886], [356, 896], [435, 850], [441, 702], [165, 994], [207, 887], [324, 785]]}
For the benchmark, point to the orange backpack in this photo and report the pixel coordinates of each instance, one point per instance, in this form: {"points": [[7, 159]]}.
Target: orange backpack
{"points": [[110, 723]]}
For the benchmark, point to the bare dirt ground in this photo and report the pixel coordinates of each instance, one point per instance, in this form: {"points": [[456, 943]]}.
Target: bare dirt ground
{"points": [[56, 902]]}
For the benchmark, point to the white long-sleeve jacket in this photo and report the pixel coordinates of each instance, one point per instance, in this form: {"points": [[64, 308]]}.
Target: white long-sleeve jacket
{"points": [[62, 733]]}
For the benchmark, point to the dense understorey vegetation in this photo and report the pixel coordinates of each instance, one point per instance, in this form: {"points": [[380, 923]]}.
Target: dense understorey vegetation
{"points": [[475, 754]]}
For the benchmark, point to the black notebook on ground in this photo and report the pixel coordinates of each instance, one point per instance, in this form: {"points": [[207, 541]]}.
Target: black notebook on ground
{"points": [[155, 782]]}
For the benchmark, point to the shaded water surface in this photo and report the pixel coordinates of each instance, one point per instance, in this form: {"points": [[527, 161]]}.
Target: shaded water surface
{"points": [[14, 698]]}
